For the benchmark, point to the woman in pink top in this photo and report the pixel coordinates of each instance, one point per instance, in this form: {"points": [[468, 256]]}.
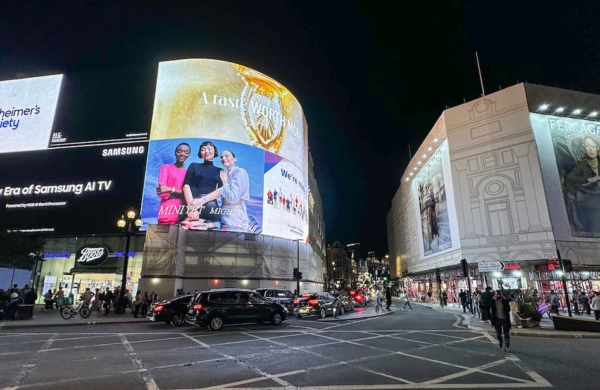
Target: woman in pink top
{"points": [[169, 188]]}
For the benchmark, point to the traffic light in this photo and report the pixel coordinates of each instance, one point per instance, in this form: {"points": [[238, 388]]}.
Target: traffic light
{"points": [[465, 267], [299, 275], [567, 265], [295, 273]]}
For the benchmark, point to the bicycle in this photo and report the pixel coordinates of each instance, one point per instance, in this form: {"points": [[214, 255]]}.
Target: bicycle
{"points": [[67, 312]]}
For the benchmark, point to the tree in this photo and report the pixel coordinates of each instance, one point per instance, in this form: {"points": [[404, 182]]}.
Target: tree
{"points": [[20, 250]]}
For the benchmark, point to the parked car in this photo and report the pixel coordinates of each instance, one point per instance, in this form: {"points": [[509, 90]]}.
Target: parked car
{"points": [[171, 312], [347, 302], [216, 308], [280, 295], [360, 297], [320, 304]]}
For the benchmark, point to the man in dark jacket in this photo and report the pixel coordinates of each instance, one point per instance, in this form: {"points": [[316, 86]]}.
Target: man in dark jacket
{"points": [[463, 299], [108, 298], [501, 319], [486, 302]]}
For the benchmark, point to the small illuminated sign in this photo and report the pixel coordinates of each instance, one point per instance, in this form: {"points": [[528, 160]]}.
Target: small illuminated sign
{"points": [[91, 255]]}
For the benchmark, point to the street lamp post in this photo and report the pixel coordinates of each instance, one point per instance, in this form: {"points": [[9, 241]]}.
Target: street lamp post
{"points": [[128, 227]]}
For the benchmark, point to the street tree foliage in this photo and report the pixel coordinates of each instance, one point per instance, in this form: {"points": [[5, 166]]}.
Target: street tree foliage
{"points": [[20, 250]]}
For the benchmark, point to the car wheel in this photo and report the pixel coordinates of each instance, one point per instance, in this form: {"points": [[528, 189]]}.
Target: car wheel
{"points": [[352, 307], [177, 320], [342, 310], [276, 319], [323, 313], [216, 323]]}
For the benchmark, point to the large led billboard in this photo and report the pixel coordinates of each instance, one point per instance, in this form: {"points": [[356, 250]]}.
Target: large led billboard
{"points": [[432, 188], [27, 108], [227, 152], [71, 191], [569, 158]]}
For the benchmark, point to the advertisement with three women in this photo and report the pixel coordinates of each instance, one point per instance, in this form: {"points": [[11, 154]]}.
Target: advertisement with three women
{"points": [[224, 140]]}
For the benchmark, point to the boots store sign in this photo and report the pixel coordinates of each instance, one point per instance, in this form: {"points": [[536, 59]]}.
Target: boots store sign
{"points": [[91, 255]]}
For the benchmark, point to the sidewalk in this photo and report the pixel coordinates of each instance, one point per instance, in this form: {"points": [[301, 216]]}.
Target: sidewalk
{"points": [[546, 328], [360, 313], [52, 318]]}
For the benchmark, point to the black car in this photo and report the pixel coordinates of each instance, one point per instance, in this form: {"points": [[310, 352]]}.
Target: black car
{"points": [[347, 302], [216, 308], [280, 295], [320, 304], [172, 311]]}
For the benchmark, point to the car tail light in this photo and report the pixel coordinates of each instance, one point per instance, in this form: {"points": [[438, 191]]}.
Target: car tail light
{"points": [[296, 301], [352, 292], [197, 307], [158, 308], [359, 298], [313, 302]]}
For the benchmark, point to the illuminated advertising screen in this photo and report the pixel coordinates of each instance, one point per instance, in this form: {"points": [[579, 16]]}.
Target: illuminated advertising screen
{"points": [[71, 191], [227, 152], [435, 205], [27, 108], [569, 158]]}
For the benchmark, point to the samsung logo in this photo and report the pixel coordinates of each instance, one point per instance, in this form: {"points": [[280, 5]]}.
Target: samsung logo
{"points": [[123, 151]]}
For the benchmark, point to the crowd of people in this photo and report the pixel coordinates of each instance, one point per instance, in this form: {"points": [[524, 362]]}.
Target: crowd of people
{"points": [[11, 300], [289, 203]]}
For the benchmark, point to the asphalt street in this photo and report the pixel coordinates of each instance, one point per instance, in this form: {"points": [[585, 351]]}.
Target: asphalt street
{"points": [[419, 349]]}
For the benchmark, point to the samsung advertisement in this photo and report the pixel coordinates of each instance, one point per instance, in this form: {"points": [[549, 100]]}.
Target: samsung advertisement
{"points": [[569, 155], [71, 191], [227, 152], [435, 205]]}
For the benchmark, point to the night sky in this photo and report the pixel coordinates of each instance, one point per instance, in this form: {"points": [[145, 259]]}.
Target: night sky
{"points": [[371, 78]]}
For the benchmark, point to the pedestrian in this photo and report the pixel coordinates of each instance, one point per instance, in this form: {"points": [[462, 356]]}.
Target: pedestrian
{"points": [[3, 303], [145, 303], [138, 303], [129, 301], [501, 320], [13, 305], [388, 298], [30, 297], [585, 303], [59, 298], [406, 301], [108, 299], [378, 303], [574, 297], [463, 299], [48, 300], [486, 304], [87, 297], [596, 305], [554, 302], [477, 303], [429, 295], [444, 298], [95, 306], [24, 291], [153, 297]]}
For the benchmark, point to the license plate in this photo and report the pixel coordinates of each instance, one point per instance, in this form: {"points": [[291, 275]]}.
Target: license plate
{"points": [[303, 310], [190, 311]]}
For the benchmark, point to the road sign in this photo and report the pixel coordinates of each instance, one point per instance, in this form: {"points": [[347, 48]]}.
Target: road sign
{"points": [[491, 266]]}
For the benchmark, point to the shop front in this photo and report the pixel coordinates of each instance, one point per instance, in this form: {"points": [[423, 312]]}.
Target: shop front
{"points": [[74, 276]]}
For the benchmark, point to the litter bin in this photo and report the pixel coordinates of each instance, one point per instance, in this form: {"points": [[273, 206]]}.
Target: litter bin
{"points": [[25, 312]]}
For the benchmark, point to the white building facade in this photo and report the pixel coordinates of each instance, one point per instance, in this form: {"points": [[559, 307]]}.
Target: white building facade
{"points": [[491, 183]]}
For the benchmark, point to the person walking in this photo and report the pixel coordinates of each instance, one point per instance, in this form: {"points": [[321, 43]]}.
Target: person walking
{"points": [[108, 298], [129, 301], [476, 303], [501, 320], [429, 295], [585, 303], [596, 305], [138, 303], [486, 304], [444, 299], [388, 298], [87, 297], [554, 302], [153, 297], [463, 299], [145, 303], [378, 303], [406, 301]]}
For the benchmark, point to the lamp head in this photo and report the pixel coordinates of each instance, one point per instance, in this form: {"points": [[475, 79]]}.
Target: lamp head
{"points": [[138, 222], [121, 222], [131, 214]]}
